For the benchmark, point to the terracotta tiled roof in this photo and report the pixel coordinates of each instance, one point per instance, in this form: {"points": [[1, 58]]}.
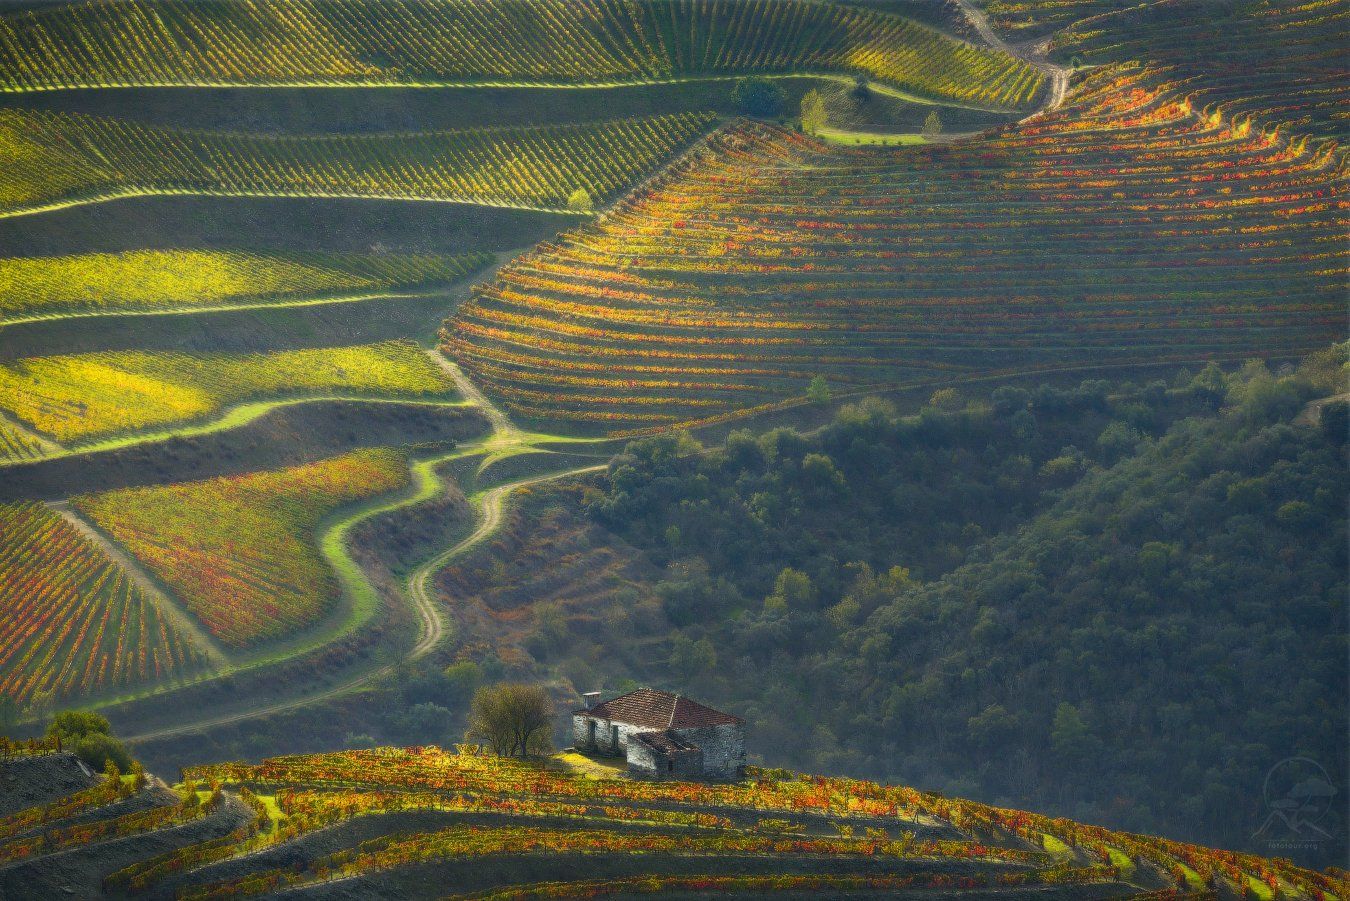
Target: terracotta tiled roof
{"points": [[665, 742], [659, 710]]}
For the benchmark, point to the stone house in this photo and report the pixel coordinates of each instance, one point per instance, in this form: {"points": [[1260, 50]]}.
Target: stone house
{"points": [[663, 736]]}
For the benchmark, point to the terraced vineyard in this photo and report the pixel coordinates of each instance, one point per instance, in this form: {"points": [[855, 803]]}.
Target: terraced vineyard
{"points": [[1124, 228], [390, 819], [1279, 62], [1180, 199], [173, 42], [50, 160], [179, 280], [85, 396], [1032, 18], [240, 551], [72, 622], [16, 444]]}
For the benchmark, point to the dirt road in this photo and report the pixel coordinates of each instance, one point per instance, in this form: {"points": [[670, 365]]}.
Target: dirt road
{"points": [[1059, 75], [433, 628]]}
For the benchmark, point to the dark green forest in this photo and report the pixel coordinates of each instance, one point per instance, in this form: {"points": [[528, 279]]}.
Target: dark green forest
{"points": [[1119, 602]]}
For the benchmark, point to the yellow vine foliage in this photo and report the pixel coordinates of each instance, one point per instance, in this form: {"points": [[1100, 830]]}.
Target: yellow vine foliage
{"points": [[83, 396]]}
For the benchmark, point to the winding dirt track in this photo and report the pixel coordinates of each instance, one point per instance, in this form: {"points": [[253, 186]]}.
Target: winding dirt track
{"points": [[1311, 413], [491, 507], [432, 621], [1059, 75], [501, 424]]}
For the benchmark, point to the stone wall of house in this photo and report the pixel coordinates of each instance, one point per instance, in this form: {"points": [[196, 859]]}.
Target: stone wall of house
{"points": [[604, 733], [723, 749], [642, 760], [644, 763]]}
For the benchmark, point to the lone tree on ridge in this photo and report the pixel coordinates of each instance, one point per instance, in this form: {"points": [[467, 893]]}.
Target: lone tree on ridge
{"points": [[513, 718], [813, 112]]}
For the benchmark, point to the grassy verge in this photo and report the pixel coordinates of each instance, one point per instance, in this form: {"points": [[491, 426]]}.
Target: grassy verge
{"points": [[1055, 846], [1121, 861], [592, 767], [871, 138], [233, 418]]}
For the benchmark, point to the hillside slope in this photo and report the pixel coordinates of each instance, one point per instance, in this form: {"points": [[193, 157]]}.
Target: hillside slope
{"points": [[1113, 601], [1277, 62], [421, 822], [1123, 228], [53, 160], [468, 42]]}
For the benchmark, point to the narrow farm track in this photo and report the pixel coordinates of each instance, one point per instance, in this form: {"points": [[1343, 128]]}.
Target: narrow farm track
{"points": [[289, 303], [1310, 414], [502, 427], [167, 606], [1059, 75], [980, 20], [38, 209], [432, 624], [491, 506]]}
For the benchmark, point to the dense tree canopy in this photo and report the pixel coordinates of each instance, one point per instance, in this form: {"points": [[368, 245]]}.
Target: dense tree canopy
{"points": [[89, 736], [1120, 602]]}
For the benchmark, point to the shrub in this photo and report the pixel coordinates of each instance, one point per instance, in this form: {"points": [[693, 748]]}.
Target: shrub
{"points": [[463, 679], [818, 392], [99, 749], [580, 199], [813, 119], [759, 97], [72, 725]]}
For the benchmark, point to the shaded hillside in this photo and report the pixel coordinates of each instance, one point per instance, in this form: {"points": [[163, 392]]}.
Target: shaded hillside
{"points": [[1082, 600]]}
